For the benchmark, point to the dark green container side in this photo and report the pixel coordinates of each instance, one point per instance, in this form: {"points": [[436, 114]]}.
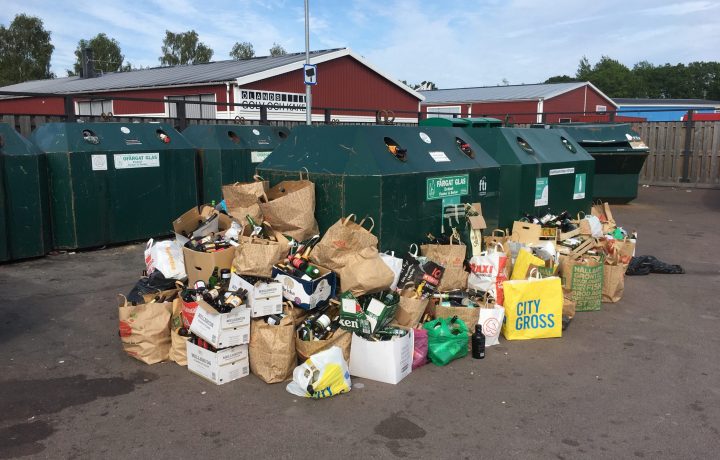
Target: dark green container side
{"points": [[229, 153], [619, 157], [24, 215], [354, 172], [532, 158], [477, 122], [126, 186]]}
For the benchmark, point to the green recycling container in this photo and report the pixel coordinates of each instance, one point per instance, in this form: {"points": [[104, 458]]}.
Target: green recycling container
{"points": [[115, 182], [619, 156], [24, 212], [540, 171], [355, 172], [229, 153], [478, 122]]}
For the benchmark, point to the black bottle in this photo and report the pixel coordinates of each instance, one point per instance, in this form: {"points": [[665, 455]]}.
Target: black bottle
{"points": [[478, 343]]}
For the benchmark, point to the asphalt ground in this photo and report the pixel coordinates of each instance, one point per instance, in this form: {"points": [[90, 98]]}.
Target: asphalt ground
{"points": [[638, 379]]}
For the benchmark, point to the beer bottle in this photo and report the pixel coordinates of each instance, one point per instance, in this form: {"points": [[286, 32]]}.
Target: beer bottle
{"points": [[478, 343], [257, 230], [320, 325]]}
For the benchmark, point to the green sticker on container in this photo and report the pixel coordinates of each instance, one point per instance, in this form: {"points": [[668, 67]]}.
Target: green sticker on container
{"points": [[579, 190], [542, 191], [447, 186]]}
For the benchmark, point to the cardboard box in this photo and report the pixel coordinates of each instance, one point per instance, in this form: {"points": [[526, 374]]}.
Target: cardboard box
{"points": [[263, 298], [187, 224], [307, 294], [221, 330], [219, 367], [389, 361], [200, 265]]}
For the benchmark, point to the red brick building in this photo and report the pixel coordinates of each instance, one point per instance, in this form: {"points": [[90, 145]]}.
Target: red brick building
{"points": [[551, 103], [345, 80]]}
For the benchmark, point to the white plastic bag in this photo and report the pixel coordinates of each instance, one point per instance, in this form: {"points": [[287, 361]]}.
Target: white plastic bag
{"points": [[165, 256], [595, 226], [484, 270], [491, 320], [395, 264], [324, 374]]}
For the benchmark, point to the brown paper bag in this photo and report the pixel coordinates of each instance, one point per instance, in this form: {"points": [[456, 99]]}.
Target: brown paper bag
{"points": [[178, 343], [297, 314], [583, 276], [341, 241], [365, 272], [290, 208], [272, 350], [469, 315], [526, 232], [497, 236], [410, 310], [145, 330], [341, 338], [244, 199], [451, 256], [613, 282], [569, 305], [256, 256], [602, 211]]}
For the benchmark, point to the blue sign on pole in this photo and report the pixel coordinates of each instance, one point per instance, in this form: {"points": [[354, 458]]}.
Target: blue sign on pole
{"points": [[310, 73]]}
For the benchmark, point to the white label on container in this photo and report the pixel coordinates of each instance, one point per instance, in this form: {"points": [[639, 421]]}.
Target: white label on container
{"points": [[99, 162], [439, 156], [125, 130], [256, 132], [258, 157], [557, 172], [425, 138], [137, 160]]}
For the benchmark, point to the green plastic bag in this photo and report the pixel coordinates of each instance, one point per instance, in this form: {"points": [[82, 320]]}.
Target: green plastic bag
{"points": [[447, 340]]}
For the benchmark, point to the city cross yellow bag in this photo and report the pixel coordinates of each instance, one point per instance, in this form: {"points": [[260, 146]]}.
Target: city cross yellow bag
{"points": [[533, 308]]}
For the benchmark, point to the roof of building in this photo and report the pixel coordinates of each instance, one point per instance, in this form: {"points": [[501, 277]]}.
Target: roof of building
{"points": [[242, 72], [531, 92], [664, 102]]}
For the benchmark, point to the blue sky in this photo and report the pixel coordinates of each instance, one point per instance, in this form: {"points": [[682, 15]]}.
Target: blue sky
{"points": [[452, 43]]}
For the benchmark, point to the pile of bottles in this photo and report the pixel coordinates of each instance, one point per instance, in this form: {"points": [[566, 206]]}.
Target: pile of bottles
{"points": [[216, 292], [320, 324], [298, 263], [550, 220]]}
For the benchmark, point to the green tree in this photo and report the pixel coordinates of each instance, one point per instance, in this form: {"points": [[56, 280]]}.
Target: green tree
{"points": [[277, 50], [25, 51], [584, 69], [612, 77], [107, 56], [560, 79], [184, 48], [241, 51]]}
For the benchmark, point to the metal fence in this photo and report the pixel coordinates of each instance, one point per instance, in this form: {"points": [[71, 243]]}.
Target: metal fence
{"points": [[681, 152]]}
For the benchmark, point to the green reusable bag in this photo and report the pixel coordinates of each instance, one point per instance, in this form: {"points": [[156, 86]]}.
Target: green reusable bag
{"points": [[447, 340]]}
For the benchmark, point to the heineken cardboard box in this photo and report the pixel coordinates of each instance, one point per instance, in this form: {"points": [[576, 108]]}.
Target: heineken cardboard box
{"points": [[221, 330], [387, 361], [220, 366], [263, 298], [304, 292], [374, 316]]}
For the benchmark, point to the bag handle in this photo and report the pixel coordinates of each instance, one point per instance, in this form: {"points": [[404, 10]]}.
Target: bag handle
{"points": [[534, 271], [414, 254], [498, 232], [257, 178], [347, 219], [123, 299], [307, 173], [179, 285], [372, 223], [583, 215]]}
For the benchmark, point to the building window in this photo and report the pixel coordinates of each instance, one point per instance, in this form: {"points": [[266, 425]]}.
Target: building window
{"points": [[193, 110], [94, 107], [565, 120], [600, 108], [443, 111]]}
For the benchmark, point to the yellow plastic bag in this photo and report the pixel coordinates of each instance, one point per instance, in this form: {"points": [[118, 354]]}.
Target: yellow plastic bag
{"points": [[533, 309], [324, 374], [523, 262]]}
